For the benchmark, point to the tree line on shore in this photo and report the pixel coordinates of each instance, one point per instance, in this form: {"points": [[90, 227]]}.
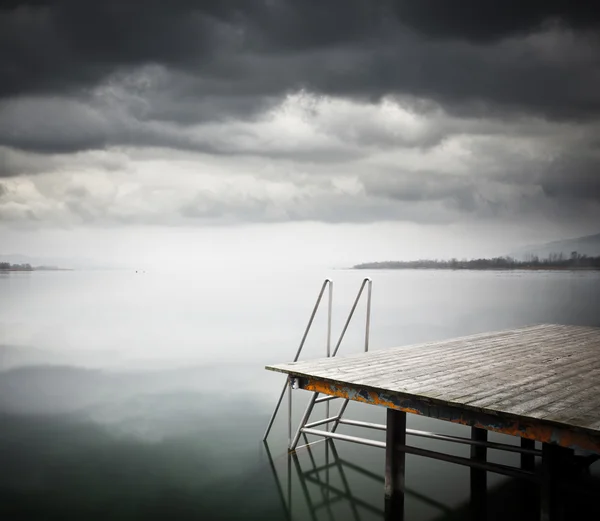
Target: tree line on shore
{"points": [[553, 261], [7, 266]]}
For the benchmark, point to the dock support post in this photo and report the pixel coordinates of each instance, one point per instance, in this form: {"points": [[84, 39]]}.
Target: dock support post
{"points": [[527, 460], [552, 465], [478, 476], [395, 459]]}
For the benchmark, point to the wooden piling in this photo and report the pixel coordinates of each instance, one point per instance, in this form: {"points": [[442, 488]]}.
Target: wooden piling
{"points": [[478, 476], [549, 505], [527, 460], [395, 463]]}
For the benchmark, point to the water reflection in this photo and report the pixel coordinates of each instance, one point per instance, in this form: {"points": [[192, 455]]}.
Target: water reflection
{"points": [[80, 444], [315, 484], [127, 397], [328, 493], [329, 490]]}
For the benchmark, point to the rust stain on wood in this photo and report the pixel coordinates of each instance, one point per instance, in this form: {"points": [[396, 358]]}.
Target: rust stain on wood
{"points": [[515, 427]]}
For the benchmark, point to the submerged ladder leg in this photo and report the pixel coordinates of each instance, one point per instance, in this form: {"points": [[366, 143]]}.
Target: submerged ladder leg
{"points": [[314, 470], [277, 482], [344, 479], [290, 387], [395, 463], [303, 485]]}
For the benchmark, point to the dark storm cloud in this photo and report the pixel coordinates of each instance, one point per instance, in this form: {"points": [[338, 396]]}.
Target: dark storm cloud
{"points": [[493, 20], [67, 45], [242, 52], [51, 126], [79, 77]]}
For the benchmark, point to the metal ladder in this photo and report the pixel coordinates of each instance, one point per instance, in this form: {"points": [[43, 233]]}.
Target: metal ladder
{"points": [[527, 449], [305, 427]]}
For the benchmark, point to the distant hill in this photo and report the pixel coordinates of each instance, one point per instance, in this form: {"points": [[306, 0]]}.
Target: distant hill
{"points": [[588, 245]]}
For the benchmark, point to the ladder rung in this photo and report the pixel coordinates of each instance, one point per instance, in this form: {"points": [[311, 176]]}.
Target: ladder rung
{"points": [[325, 399], [445, 437], [321, 422], [344, 437], [307, 445], [368, 425]]}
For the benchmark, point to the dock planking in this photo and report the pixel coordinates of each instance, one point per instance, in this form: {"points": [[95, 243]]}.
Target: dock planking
{"points": [[540, 382]]}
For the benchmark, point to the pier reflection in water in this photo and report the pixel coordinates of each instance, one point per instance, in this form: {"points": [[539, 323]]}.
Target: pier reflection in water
{"points": [[326, 488], [315, 483]]}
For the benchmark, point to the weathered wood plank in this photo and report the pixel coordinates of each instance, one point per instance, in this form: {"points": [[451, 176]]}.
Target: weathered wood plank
{"points": [[542, 372]]}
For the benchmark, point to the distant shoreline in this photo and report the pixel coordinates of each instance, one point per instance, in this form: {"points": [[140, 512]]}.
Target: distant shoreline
{"points": [[555, 262], [30, 271], [540, 268], [20, 269]]}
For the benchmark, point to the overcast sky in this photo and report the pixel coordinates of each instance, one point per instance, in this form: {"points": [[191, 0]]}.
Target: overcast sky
{"points": [[324, 131]]}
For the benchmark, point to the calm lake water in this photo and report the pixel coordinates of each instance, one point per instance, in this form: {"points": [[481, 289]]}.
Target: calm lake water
{"points": [[130, 395]]}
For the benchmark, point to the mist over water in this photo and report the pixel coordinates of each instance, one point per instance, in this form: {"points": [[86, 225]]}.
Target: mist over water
{"points": [[129, 395]]}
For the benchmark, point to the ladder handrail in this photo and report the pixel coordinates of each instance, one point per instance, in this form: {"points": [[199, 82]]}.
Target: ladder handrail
{"points": [[366, 281], [326, 283]]}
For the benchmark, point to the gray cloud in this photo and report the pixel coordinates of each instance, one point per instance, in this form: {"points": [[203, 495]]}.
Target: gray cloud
{"points": [[492, 20], [424, 186], [222, 191], [15, 163], [574, 177], [235, 58], [52, 125], [297, 110]]}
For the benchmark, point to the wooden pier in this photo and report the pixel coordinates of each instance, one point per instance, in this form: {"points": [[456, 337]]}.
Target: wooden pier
{"points": [[540, 383]]}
